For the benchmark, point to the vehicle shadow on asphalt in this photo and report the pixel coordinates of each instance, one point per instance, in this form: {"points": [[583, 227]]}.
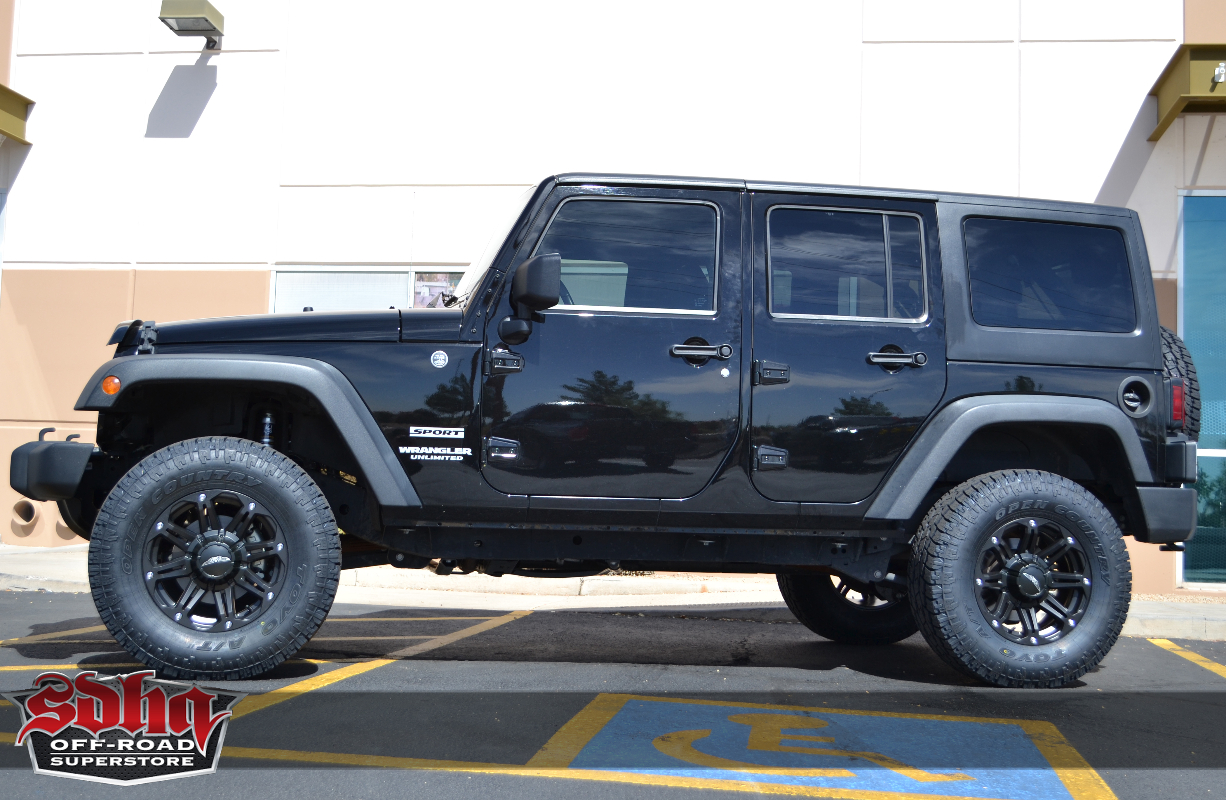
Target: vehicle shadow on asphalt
{"points": [[742, 638]]}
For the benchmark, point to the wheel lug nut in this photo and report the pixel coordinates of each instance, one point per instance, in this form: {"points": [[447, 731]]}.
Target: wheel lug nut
{"points": [[159, 526], [178, 616], [148, 576], [1072, 623], [280, 547], [1086, 581], [995, 623], [269, 595], [228, 624]]}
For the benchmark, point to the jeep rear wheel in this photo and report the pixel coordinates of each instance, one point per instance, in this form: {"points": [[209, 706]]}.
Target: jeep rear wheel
{"points": [[214, 559], [1020, 578], [846, 611]]}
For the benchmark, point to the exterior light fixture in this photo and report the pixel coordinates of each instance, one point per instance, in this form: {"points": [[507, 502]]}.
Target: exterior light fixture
{"points": [[194, 18], [1219, 74]]}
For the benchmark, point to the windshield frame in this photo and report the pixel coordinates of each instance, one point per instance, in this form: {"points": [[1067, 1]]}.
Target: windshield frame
{"points": [[475, 275]]}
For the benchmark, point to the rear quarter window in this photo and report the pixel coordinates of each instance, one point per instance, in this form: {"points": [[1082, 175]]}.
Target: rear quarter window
{"points": [[1048, 275]]}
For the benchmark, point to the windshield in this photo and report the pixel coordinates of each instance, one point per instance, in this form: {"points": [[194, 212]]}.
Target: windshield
{"points": [[476, 271]]}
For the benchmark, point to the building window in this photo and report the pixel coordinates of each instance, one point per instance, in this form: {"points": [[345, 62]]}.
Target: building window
{"points": [[355, 290], [1203, 287]]}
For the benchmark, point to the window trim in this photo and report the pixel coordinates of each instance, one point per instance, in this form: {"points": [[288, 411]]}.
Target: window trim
{"points": [[1128, 263], [923, 318], [584, 309]]}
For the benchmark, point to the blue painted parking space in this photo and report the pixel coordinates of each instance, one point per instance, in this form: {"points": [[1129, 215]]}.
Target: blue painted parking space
{"points": [[824, 752]]}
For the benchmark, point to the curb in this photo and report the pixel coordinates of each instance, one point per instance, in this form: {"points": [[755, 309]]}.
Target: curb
{"points": [[601, 585]]}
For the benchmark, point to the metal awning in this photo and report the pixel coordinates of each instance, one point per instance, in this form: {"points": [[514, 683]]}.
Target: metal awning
{"points": [[1187, 84]]}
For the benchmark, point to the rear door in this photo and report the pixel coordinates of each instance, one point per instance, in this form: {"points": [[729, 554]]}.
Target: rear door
{"points": [[848, 341]]}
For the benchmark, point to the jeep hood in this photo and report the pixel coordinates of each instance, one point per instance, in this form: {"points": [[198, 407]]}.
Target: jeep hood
{"points": [[391, 325]]}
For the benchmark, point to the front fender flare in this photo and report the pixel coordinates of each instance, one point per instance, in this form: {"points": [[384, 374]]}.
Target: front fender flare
{"points": [[322, 381], [914, 475]]}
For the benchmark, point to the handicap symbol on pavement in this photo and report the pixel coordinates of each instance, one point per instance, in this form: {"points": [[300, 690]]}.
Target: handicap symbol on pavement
{"points": [[822, 752]]}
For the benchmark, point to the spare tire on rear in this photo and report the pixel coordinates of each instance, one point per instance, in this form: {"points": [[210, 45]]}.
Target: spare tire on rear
{"points": [[1177, 363]]}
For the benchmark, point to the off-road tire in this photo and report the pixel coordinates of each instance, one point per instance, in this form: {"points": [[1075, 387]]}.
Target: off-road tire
{"points": [[946, 557], [1177, 363], [816, 603], [240, 468]]}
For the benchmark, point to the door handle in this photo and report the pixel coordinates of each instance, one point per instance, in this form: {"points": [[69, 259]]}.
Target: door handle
{"points": [[896, 360], [721, 351]]}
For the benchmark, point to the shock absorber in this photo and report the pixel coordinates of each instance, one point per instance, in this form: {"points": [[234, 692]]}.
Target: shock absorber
{"points": [[266, 438]]}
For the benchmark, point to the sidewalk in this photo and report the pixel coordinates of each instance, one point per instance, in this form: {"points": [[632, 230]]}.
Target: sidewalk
{"points": [[63, 569]]}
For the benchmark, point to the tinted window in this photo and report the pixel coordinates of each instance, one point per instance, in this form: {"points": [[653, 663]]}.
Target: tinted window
{"points": [[845, 264], [623, 254], [1048, 275]]}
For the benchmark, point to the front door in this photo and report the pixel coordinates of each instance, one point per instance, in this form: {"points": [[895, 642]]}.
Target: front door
{"points": [[848, 341], [605, 404]]}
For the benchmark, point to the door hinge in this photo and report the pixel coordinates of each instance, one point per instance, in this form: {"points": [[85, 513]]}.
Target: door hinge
{"points": [[766, 457], [500, 451], [502, 362], [766, 373]]}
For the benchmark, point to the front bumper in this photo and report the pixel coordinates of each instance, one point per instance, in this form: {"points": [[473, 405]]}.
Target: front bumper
{"points": [[1170, 514], [49, 470]]}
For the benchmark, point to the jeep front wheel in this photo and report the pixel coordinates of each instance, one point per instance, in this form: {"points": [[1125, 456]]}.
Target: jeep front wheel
{"points": [[214, 559], [1020, 578]]}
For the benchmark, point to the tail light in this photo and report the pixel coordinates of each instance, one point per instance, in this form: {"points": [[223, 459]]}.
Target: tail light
{"points": [[1177, 408]]}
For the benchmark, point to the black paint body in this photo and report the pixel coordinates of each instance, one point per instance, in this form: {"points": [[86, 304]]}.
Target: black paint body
{"points": [[615, 431]]}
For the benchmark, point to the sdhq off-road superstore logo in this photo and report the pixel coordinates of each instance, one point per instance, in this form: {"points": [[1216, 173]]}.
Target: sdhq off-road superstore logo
{"points": [[123, 729]]}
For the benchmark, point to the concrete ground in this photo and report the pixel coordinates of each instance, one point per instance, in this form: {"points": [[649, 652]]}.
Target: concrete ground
{"points": [[645, 700]]}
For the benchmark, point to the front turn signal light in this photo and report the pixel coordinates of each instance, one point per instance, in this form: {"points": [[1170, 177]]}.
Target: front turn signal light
{"points": [[110, 385]]}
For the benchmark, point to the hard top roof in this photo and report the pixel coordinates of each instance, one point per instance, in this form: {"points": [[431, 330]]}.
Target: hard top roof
{"points": [[687, 182]]}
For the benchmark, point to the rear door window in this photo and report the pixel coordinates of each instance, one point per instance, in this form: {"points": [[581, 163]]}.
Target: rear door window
{"points": [[635, 254], [1048, 275], [830, 263]]}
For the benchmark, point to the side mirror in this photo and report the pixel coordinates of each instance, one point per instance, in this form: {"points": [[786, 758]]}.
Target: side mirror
{"points": [[537, 285]]}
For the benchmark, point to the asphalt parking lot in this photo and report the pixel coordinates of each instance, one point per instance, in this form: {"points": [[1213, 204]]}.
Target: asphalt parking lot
{"points": [[653, 703]]}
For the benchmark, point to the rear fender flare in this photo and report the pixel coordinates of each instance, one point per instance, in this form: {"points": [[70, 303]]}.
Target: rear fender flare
{"points": [[322, 381], [918, 470]]}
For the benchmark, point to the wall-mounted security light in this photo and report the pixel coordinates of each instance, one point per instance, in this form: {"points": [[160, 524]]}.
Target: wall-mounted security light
{"points": [[1219, 74], [194, 18]]}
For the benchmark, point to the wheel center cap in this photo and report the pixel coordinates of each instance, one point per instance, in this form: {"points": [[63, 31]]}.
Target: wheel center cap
{"points": [[215, 561], [1029, 579]]}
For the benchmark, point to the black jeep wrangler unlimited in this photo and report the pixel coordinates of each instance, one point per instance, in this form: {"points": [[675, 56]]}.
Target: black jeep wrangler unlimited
{"points": [[920, 410]]}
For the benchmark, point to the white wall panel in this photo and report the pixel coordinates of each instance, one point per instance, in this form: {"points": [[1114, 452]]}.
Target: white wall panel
{"points": [[345, 225], [452, 224], [439, 93], [940, 20], [1102, 19], [1070, 136], [949, 122], [72, 199]]}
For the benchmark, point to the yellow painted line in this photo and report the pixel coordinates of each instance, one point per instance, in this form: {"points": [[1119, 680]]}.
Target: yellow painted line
{"points": [[576, 775], [41, 637], [564, 746], [442, 641], [8, 738], [1195, 658], [258, 702]]}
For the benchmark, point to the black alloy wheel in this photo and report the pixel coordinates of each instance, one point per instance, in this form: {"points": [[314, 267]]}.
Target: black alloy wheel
{"points": [[1033, 581], [848, 611], [1020, 578], [214, 559]]}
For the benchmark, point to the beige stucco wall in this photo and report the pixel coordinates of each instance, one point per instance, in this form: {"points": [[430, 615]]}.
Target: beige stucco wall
{"points": [[54, 324]]}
